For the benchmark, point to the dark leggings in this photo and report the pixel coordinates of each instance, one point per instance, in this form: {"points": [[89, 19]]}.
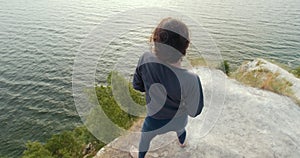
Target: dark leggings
{"points": [[152, 128]]}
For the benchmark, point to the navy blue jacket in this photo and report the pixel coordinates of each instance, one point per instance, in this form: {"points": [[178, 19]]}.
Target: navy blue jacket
{"points": [[170, 91]]}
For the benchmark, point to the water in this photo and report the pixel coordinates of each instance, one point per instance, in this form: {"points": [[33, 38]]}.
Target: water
{"points": [[39, 41]]}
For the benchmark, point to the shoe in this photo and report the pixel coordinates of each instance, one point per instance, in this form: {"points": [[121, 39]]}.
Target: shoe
{"points": [[182, 145]]}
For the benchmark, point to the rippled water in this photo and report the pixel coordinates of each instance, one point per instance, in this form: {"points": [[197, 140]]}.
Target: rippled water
{"points": [[39, 41]]}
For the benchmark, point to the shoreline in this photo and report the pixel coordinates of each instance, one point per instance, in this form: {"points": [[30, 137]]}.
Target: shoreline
{"points": [[137, 123]]}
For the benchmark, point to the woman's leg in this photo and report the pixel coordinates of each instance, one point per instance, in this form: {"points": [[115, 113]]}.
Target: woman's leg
{"points": [[147, 135], [181, 134], [144, 145]]}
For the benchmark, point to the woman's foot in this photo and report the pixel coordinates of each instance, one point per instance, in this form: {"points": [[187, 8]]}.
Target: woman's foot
{"points": [[182, 139], [133, 152], [182, 145]]}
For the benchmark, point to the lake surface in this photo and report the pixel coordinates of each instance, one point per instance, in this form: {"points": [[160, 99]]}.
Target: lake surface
{"points": [[40, 39]]}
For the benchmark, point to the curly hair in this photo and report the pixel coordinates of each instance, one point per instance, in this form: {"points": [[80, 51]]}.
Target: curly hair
{"points": [[171, 39]]}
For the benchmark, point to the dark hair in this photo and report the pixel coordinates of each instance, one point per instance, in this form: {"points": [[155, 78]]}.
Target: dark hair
{"points": [[171, 39]]}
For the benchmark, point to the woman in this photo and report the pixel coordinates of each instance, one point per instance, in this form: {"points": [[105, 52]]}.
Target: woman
{"points": [[172, 93]]}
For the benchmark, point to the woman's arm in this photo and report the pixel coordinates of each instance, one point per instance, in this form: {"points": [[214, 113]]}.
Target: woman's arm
{"points": [[138, 83], [194, 99]]}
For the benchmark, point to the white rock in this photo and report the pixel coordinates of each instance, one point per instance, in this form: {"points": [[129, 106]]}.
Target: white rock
{"points": [[261, 64], [252, 123]]}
